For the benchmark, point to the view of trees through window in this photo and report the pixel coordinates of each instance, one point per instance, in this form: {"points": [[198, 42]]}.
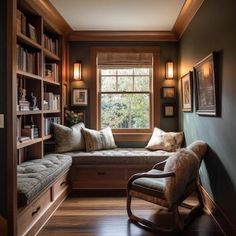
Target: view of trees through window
{"points": [[125, 97]]}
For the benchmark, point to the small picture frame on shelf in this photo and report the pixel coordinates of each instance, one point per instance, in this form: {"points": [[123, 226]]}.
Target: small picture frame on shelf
{"points": [[79, 97], [81, 114], [168, 110], [186, 92], [168, 92], [206, 86]]}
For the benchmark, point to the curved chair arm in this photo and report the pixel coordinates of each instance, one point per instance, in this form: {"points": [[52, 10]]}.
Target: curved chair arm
{"points": [[146, 175], [159, 165]]}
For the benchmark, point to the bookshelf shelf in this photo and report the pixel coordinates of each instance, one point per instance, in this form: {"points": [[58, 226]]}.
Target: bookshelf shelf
{"points": [[21, 113], [47, 137], [51, 82], [28, 75], [28, 143], [50, 55], [27, 41], [51, 111]]}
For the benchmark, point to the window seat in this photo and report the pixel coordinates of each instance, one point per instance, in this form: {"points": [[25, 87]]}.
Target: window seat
{"points": [[111, 169]]}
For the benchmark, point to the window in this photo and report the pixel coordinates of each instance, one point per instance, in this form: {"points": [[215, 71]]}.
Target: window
{"points": [[125, 93]]}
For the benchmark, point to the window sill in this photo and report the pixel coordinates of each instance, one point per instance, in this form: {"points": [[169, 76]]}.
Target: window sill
{"points": [[132, 137]]}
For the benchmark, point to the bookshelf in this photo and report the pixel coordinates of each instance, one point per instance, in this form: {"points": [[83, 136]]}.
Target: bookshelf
{"points": [[39, 81]]}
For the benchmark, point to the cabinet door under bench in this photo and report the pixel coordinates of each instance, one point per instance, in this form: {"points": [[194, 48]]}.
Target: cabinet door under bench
{"points": [[104, 176]]}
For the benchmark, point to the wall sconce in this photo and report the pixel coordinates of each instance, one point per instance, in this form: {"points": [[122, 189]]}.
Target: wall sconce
{"points": [[170, 70], [77, 71]]}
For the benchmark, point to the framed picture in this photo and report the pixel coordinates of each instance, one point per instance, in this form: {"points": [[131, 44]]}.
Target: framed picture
{"points": [[205, 76], [168, 92], [168, 110], [186, 91], [79, 97], [81, 114]]}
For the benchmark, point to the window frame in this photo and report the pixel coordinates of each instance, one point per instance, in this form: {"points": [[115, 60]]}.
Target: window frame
{"points": [[93, 85], [150, 92]]}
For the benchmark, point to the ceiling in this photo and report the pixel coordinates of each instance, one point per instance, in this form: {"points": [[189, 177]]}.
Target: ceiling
{"points": [[119, 15]]}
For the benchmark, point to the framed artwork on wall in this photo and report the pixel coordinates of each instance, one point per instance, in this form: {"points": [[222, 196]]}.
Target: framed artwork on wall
{"points": [[205, 77], [168, 110], [186, 92], [168, 92], [79, 97]]}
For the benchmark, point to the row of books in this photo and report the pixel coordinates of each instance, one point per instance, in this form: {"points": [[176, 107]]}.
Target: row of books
{"points": [[24, 27], [51, 44], [48, 121], [51, 101], [28, 61], [51, 72]]}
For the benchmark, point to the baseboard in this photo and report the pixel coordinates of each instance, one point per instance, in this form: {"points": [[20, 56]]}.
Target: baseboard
{"points": [[217, 213], [3, 226]]}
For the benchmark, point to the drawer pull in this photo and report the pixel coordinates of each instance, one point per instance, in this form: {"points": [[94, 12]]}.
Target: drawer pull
{"points": [[62, 183], [36, 211], [101, 173]]}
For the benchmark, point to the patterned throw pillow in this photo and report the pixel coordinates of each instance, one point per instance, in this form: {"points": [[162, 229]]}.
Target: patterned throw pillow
{"points": [[98, 140], [68, 139], [167, 141]]}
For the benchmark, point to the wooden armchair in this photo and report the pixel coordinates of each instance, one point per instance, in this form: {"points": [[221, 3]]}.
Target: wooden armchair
{"points": [[168, 184]]}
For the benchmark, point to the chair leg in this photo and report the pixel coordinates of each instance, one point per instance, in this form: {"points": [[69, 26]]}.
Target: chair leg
{"points": [[143, 222]]}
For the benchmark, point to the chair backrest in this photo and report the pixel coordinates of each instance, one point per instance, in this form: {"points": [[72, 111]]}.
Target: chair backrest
{"points": [[185, 164]]}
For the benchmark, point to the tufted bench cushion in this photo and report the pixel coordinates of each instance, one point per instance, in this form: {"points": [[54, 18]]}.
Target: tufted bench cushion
{"points": [[34, 176], [118, 156]]}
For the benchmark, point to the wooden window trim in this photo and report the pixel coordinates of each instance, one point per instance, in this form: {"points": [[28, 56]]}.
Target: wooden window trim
{"points": [[127, 134]]}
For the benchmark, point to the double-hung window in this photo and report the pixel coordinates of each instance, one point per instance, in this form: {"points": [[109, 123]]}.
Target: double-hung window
{"points": [[125, 91]]}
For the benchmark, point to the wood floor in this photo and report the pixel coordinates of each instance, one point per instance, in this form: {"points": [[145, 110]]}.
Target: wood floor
{"points": [[106, 216]]}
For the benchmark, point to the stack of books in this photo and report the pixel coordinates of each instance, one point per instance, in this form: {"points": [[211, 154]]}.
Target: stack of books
{"points": [[24, 106], [51, 72], [51, 44], [30, 131], [53, 101]]}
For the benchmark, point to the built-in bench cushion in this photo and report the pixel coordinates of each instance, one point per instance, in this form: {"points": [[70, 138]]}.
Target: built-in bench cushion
{"points": [[34, 176], [118, 156]]}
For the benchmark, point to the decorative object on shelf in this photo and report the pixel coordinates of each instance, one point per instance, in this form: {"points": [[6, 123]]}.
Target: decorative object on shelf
{"points": [[168, 110], [206, 80], [77, 71], [73, 118], [168, 92], [79, 97], [33, 102], [23, 103], [170, 70], [186, 91]]}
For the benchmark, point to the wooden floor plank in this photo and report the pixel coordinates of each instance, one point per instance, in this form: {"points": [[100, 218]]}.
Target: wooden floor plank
{"points": [[106, 216]]}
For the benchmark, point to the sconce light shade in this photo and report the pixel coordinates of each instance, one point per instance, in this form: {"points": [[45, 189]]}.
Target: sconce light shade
{"points": [[77, 71], [170, 70]]}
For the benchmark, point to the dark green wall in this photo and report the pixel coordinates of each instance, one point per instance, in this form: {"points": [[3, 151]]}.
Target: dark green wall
{"points": [[3, 190], [213, 29], [168, 51]]}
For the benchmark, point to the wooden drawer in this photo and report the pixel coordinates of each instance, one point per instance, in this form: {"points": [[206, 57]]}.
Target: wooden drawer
{"points": [[98, 177], [60, 185], [28, 216]]}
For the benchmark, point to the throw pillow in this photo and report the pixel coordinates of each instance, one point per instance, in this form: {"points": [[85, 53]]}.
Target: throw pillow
{"points": [[167, 141], [98, 140], [68, 139]]}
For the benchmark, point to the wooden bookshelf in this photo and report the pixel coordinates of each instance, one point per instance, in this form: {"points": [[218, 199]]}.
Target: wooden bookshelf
{"points": [[28, 143]]}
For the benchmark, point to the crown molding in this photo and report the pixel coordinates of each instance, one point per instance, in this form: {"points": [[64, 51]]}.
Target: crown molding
{"points": [[185, 16], [122, 36]]}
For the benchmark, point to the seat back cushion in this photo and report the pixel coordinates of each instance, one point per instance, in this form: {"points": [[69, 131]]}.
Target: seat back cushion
{"points": [[167, 141], [98, 140], [185, 165], [68, 139]]}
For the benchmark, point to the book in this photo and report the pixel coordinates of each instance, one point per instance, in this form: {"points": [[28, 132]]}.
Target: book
{"points": [[32, 32]]}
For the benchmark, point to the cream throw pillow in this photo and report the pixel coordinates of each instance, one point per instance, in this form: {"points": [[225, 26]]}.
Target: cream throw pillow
{"points": [[98, 140], [167, 141], [68, 139]]}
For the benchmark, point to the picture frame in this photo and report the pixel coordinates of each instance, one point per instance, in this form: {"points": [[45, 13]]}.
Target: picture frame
{"points": [[206, 80], [168, 110], [79, 97], [168, 92], [82, 116], [187, 92]]}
